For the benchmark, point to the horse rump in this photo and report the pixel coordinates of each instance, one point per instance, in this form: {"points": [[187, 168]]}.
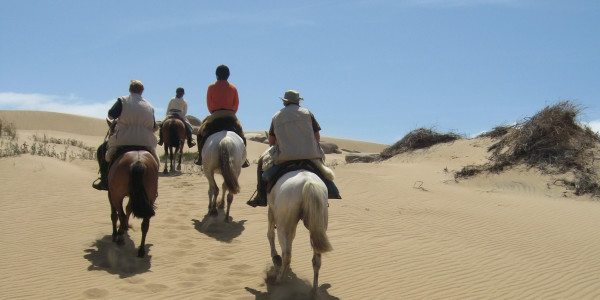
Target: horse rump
{"points": [[140, 204]]}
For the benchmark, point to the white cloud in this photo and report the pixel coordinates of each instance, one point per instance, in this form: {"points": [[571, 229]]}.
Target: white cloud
{"points": [[64, 104]]}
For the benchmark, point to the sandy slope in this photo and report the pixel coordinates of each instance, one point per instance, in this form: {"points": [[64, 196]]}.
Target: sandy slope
{"points": [[404, 230]]}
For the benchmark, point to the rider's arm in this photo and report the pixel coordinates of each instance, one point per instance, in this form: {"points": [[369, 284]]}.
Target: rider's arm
{"points": [[316, 127], [236, 100], [115, 111], [272, 138]]}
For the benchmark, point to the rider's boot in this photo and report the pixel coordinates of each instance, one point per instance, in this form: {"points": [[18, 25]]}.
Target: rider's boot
{"points": [[246, 162], [101, 183], [261, 189], [160, 141], [200, 145], [332, 190], [261, 195], [190, 139]]}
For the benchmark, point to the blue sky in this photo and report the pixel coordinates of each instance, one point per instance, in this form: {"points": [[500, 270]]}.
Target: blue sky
{"points": [[369, 70]]}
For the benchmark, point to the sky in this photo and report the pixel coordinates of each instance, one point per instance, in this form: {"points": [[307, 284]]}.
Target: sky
{"points": [[368, 70]]}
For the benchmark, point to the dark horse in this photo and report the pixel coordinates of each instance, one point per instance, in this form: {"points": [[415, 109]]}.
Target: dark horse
{"points": [[173, 136], [133, 174]]}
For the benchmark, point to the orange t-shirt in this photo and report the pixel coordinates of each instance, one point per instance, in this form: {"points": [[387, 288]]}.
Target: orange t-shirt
{"points": [[222, 95]]}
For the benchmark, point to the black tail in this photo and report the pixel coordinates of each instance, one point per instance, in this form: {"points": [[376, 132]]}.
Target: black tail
{"points": [[173, 136], [140, 205]]}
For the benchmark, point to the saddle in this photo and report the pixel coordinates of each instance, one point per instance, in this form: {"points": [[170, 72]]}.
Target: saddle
{"points": [[271, 175], [215, 125], [219, 122]]}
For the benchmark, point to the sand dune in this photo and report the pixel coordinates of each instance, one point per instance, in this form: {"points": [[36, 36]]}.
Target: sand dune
{"points": [[404, 230]]}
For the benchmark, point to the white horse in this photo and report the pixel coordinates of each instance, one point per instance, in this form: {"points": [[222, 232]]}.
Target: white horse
{"points": [[223, 153], [298, 195]]}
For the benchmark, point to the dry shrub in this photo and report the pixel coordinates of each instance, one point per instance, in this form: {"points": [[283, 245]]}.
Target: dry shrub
{"points": [[468, 171], [552, 141], [497, 132], [8, 130], [418, 139]]}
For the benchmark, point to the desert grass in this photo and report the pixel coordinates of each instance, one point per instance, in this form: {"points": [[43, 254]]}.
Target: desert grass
{"points": [[552, 141], [7, 130], [418, 139], [70, 149]]}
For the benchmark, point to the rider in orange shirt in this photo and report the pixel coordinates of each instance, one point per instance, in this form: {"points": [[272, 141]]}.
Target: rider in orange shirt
{"points": [[222, 101]]}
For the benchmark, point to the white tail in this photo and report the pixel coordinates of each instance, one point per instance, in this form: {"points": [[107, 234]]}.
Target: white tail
{"points": [[314, 201], [227, 165]]}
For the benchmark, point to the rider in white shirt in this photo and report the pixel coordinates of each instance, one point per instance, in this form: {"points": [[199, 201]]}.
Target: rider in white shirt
{"points": [[178, 107]]}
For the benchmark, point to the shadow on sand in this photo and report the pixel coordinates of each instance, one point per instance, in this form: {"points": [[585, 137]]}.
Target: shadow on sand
{"points": [[122, 260], [215, 227], [291, 288]]}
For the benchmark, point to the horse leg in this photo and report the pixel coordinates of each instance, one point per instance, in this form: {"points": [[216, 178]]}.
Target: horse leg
{"points": [[222, 201], [123, 224], [180, 154], [165, 170], [271, 237], [229, 200], [213, 193], [113, 218], [145, 227], [128, 214], [172, 152], [316, 263], [285, 235]]}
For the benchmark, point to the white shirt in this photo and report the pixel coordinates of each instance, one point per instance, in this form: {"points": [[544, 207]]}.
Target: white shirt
{"points": [[177, 106]]}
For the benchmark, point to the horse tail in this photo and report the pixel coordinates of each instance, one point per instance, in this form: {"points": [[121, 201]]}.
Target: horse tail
{"points": [[173, 134], [226, 163], [140, 204], [315, 215]]}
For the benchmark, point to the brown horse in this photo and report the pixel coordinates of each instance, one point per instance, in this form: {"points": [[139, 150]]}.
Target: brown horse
{"points": [[133, 174], [173, 136]]}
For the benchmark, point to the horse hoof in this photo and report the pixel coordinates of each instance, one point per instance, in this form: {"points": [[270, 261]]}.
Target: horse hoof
{"points": [[277, 260], [141, 253], [114, 238]]}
